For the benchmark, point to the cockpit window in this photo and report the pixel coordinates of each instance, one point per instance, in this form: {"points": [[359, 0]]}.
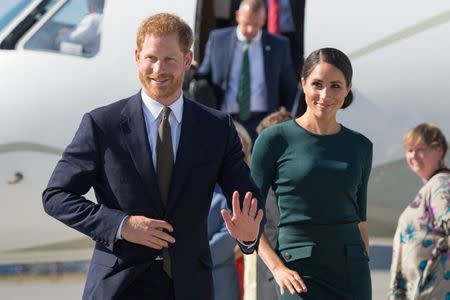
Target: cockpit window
{"points": [[74, 29], [9, 9]]}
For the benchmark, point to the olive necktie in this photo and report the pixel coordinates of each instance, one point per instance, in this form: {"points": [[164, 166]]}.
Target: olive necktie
{"points": [[164, 167], [243, 96]]}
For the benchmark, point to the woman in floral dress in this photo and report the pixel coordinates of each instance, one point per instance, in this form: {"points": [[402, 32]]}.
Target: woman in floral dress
{"points": [[421, 258]]}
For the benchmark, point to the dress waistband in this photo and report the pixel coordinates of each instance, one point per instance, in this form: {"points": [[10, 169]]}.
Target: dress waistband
{"points": [[323, 235]]}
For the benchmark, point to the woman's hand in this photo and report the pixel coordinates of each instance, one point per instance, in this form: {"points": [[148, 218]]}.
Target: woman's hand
{"points": [[287, 278]]}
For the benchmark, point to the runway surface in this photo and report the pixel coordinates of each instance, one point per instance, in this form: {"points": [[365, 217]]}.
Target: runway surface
{"points": [[72, 287]]}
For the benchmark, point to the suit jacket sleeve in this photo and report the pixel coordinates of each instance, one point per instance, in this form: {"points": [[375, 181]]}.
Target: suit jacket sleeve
{"points": [[73, 177], [205, 69], [235, 175]]}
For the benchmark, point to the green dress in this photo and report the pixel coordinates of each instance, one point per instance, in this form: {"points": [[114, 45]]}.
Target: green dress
{"points": [[320, 182]]}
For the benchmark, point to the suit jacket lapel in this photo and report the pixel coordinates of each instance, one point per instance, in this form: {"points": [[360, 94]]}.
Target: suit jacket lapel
{"points": [[135, 132], [191, 139]]}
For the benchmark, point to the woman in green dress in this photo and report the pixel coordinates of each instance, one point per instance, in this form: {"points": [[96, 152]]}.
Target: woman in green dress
{"points": [[319, 171]]}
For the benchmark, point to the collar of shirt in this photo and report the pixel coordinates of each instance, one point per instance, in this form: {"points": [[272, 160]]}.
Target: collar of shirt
{"points": [[242, 38], [153, 108]]}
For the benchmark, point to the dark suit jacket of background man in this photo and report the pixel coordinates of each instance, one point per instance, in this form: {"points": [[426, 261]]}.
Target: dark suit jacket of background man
{"points": [[280, 78], [111, 153]]}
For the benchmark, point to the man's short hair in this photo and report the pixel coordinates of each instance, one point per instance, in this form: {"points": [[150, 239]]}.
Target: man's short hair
{"points": [[164, 24], [255, 6]]}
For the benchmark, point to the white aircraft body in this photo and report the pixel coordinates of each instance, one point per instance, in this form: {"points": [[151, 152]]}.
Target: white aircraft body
{"points": [[399, 50]]}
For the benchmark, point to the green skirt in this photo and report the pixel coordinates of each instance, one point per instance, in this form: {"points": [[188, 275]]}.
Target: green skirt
{"points": [[331, 259]]}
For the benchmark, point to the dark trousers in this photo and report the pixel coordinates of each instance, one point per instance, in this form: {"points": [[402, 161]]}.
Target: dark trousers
{"points": [[152, 284]]}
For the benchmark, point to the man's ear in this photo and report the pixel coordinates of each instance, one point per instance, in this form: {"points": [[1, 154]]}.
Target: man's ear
{"points": [[188, 60], [136, 55]]}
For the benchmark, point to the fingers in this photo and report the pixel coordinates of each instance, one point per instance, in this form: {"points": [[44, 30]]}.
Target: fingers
{"points": [[161, 235], [235, 203], [228, 221], [253, 208], [152, 233], [249, 205], [290, 280], [294, 283], [259, 216], [161, 224], [282, 289], [298, 283], [246, 205]]}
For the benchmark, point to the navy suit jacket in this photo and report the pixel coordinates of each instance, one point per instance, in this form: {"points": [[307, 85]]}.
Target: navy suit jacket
{"points": [[111, 153], [280, 78]]}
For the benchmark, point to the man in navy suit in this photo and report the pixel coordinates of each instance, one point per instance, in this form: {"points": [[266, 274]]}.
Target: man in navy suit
{"points": [[273, 82], [150, 219]]}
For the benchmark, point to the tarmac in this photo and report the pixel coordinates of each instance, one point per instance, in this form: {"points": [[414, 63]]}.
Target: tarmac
{"points": [[73, 289], [68, 288]]}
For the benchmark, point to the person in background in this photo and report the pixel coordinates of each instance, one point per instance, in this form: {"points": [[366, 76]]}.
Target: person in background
{"points": [[421, 258], [319, 171], [287, 17], [250, 70], [265, 283], [221, 244], [153, 160], [87, 32]]}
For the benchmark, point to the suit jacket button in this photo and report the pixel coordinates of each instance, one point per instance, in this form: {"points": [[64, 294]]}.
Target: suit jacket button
{"points": [[287, 255]]}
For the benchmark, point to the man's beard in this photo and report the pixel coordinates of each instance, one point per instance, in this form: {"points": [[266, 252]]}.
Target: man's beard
{"points": [[161, 92]]}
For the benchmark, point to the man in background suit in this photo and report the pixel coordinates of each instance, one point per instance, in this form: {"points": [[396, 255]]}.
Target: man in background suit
{"points": [[153, 160], [289, 22], [272, 82]]}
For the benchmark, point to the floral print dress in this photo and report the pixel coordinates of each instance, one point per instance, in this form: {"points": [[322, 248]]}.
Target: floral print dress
{"points": [[421, 257]]}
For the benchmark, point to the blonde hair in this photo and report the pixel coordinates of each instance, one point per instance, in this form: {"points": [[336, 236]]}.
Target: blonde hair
{"points": [[274, 118], [246, 141], [428, 134], [165, 24]]}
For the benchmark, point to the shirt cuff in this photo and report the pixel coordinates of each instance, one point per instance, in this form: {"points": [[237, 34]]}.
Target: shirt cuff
{"points": [[248, 245], [119, 231]]}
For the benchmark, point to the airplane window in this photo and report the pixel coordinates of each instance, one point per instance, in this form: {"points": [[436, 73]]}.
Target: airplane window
{"points": [[75, 29], [9, 9]]}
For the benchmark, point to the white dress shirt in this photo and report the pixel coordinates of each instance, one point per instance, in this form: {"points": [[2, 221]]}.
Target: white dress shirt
{"points": [[258, 89], [153, 114]]}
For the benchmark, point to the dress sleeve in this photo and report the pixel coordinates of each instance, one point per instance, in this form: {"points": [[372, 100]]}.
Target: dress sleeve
{"points": [[438, 205], [263, 162], [362, 191]]}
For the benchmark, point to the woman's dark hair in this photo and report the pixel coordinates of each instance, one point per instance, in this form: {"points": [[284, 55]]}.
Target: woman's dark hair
{"points": [[332, 56]]}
